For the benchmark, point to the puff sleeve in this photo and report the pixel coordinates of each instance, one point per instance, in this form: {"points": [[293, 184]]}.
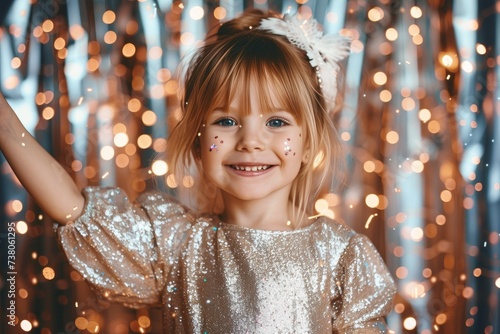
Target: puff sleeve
{"points": [[114, 246], [365, 289]]}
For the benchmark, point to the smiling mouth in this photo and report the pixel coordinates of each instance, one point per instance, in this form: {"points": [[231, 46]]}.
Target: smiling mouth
{"points": [[251, 168]]}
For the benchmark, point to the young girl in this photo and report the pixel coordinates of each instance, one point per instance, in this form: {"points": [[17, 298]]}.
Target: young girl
{"points": [[256, 125]]}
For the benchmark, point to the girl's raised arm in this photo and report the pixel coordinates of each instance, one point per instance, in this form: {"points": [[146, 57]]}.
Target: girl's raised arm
{"points": [[42, 176]]}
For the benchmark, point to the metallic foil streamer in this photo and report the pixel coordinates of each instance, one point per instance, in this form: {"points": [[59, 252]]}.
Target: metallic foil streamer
{"points": [[476, 25], [94, 82]]}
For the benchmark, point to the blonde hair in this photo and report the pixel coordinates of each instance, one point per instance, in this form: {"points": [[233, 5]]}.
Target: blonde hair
{"points": [[235, 57]]}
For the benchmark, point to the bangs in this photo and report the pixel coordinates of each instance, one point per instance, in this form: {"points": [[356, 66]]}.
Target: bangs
{"points": [[260, 64]]}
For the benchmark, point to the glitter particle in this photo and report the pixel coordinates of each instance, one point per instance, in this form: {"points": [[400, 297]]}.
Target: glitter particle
{"points": [[369, 220]]}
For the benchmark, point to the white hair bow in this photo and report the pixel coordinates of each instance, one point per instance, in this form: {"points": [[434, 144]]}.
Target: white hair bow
{"points": [[324, 51]]}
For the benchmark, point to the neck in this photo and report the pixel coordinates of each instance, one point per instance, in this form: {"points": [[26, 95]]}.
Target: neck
{"points": [[262, 214]]}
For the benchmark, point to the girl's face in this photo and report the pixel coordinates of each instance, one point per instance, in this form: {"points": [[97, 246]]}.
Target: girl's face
{"points": [[251, 155]]}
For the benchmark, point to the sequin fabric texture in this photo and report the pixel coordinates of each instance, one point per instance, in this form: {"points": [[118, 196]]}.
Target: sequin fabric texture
{"points": [[212, 277]]}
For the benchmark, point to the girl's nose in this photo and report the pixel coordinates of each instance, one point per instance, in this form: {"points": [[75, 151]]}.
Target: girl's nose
{"points": [[250, 138]]}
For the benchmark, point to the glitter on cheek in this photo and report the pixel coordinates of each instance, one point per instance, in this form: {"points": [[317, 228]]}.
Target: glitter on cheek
{"points": [[214, 146], [287, 147]]}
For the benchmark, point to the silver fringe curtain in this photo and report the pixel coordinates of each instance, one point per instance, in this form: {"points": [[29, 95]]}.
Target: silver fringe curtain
{"points": [[94, 82]]}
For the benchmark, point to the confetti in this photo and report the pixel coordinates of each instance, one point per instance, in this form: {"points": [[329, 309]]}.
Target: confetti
{"points": [[369, 220]]}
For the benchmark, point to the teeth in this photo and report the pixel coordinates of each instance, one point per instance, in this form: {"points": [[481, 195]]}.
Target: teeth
{"points": [[250, 168]]}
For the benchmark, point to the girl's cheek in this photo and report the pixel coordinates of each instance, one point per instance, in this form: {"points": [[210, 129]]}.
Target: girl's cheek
{"points": [[287, 146], [288, 149], [214, 146]]}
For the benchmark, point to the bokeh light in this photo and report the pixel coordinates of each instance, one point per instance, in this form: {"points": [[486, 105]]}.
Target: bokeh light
{"points": [[196, 12], [375, 14], [416, 12], [220, 13], [108, 17], [26, 325], [380, 78], [391, 34], [159, 167], [21, 227]]}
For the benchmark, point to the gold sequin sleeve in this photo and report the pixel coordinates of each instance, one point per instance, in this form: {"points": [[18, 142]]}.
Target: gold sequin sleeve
{"points": [[365, 289], [114, 246]]}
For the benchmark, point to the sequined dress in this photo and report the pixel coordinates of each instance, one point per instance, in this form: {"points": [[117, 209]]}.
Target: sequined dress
{"points": [[212, 277]]}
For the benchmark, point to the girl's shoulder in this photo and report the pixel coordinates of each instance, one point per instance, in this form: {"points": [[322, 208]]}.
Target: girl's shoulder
{"points": [[335, 229], [341, 236], [162, 206], [165, 208]]}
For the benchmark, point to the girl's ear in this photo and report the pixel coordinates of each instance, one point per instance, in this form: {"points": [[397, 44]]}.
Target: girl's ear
{"points": [[306, 151], [306, 155]]}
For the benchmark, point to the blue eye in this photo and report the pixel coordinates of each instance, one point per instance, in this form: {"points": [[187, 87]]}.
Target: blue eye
{"points": [[226, 122], [277, 123]]}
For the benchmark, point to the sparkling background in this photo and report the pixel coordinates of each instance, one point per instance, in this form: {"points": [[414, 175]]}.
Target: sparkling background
{"points": [[94, 82]]}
